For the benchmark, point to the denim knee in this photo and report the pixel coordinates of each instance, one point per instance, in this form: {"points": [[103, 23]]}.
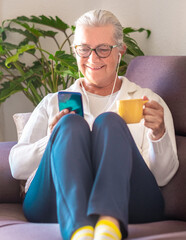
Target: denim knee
{"points": [[71, 122], [108, 119]]}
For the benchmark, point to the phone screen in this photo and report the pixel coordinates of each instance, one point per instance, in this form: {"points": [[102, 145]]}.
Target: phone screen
{"points": [[71, 101]]}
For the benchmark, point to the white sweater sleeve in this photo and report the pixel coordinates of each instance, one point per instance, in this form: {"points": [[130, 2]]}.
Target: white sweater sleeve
{"points": [[162, 154], [26, 155]]}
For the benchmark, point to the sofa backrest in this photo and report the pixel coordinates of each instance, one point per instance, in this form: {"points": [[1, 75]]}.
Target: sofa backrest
{"points": [[9, 187], [166, 75]]}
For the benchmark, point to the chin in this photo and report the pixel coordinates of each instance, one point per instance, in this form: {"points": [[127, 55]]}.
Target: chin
{"points": [[96, 82], [95, 75]]}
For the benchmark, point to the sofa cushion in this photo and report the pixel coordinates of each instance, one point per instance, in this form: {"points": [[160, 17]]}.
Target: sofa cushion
{"points": [[30, 231], [11, 212], [9, 187], [165, 75], [20, 120], [166, 236], [44, 231], [156, 228]]}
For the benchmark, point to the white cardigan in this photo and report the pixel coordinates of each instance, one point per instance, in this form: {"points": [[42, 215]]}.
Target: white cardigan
{"points": [[160, 156]]}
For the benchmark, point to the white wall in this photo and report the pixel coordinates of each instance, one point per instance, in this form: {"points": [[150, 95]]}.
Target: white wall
{"points": [[165, 18]]}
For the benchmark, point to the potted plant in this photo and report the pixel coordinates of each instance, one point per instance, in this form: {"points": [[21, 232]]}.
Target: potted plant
{"points": [[47, 71]]}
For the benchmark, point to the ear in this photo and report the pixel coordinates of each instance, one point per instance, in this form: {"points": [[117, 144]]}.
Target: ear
{"points": [[123, 49]]}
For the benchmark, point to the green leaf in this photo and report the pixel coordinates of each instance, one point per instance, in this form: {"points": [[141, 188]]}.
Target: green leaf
{"points": [[68, 57], [122, 68], [146, 30], [24, 42], [1, 75], [25, 48], [15, 57], [10, 87], [26, 33], [2, 65], [48, 21], [48, 33], [64, 58], [2, 51], [68, 72], [132, 47], [128, 30], [2, 33], [73, 28], [32, 29], [11, 59], [8, 46]]}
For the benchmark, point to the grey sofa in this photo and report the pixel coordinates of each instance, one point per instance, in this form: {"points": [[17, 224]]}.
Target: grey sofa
{"points": [[167, 77]]}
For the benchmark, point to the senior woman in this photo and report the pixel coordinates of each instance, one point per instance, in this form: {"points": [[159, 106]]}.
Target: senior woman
{"points": [[96, 174]]}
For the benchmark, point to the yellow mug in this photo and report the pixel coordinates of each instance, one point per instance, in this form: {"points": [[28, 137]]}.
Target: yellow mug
{"points": [[131, 110]]}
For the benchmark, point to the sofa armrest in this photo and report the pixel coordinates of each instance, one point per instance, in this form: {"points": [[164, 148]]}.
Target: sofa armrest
{"points": [[175, 191], [9, 187]]}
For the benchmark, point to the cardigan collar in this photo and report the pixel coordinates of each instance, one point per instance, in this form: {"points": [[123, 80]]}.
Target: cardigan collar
{"points": [[126, 89]]}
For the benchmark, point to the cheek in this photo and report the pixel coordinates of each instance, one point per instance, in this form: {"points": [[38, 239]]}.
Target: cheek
{"points": [[112, 63], [80, 63]]}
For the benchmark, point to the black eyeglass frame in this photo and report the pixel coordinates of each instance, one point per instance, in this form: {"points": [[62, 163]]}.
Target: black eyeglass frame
{"points": [[95, 50]]}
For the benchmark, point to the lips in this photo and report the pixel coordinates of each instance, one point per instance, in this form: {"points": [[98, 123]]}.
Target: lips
{"points": [[95, 68]]}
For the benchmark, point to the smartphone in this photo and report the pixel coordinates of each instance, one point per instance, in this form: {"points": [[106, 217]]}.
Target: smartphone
{"points": [[71, 101]]}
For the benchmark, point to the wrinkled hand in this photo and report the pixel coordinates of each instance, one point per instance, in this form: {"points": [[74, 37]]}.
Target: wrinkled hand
{"points": [[154, 118], [57, 117]]}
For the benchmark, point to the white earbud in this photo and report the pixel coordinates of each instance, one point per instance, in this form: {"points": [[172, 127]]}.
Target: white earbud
{"points": [[119, 58]]}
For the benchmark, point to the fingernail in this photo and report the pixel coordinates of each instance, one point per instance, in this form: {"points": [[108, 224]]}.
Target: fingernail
{"points": [[65, 111]]}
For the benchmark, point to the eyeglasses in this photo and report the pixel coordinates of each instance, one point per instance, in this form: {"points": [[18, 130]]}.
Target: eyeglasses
{"points": [[102, 51]]}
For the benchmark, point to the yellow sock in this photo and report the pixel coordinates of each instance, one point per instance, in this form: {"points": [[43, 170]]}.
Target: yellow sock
{"points": [[107, 230], [83, 233]]}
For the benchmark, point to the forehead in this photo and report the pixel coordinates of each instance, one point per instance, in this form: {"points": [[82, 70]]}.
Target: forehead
{"points": [[94, 36]]}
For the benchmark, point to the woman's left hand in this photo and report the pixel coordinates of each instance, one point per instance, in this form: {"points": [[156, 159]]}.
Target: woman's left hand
{"points": [[154, 118]]}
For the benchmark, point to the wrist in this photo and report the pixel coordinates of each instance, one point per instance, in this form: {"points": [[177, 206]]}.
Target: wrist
{"points": [[156, 137]]}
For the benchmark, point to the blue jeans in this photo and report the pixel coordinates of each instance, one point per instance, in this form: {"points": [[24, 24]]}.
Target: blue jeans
{"points": [[84, 174]]}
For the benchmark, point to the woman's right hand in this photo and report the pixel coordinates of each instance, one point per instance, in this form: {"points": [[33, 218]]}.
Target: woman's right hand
{"points": [[57, 117]]}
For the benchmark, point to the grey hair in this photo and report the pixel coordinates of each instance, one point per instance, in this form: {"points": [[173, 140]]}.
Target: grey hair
{"points": [[98, 18]]}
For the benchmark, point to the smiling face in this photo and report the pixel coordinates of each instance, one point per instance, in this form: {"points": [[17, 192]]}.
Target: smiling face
{"points": [[98, 72]]}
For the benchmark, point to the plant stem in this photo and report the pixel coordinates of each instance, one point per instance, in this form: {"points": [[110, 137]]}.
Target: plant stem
{"points": [[45, 64], [30, 97], [67, 40], [52, 71], [56, 42]]}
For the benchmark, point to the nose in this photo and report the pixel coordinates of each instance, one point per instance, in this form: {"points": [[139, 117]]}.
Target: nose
{"points": [[93, 56]]}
